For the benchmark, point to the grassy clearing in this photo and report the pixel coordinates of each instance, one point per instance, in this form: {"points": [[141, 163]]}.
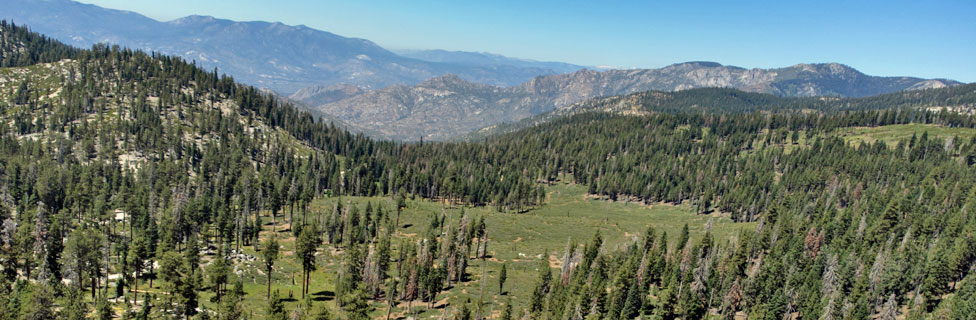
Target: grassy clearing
{"points": [[892, 134], [517, 239]]}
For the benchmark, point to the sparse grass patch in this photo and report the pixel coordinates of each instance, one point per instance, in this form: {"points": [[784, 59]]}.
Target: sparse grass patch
{"points": [[892, 134]]}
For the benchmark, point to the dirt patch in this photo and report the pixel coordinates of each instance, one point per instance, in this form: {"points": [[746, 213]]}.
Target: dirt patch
{"points": [[555, 263], [440, 303]]}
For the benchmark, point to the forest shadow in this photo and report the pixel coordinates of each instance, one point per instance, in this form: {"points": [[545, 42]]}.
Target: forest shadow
{"points": [[324, 295]]}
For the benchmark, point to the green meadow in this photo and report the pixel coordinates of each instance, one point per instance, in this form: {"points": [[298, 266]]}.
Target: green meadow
{"points": [[570, 216]]}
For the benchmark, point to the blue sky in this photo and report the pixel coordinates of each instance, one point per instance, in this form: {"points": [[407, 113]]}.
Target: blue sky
{"points": [[933, 39]]}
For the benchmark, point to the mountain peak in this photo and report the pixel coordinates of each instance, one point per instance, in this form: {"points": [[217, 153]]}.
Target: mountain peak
{"points": [[696, 64], [194, 20], [826, 68], [447, 80]]}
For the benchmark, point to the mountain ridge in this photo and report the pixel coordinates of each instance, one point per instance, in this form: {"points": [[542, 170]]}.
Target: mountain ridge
{"points": [[444, 107], [260, 53]]}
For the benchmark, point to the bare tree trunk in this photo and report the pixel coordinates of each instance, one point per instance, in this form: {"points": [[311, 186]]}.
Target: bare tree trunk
{"points": [[136, 291]]}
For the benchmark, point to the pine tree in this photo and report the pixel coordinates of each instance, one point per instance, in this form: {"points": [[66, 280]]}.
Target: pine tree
{"points": [[938, 274], [464, 313], [270, 254], [963, 304], [276, 307], [305, 247], [74, 306], [356, 305], [230, 307], [632, 305], [218, 273], [502, 276], [103, 310], [541, 287], [192, 279], [507, 312], [137, 259], [38, 303], [323, 313]]}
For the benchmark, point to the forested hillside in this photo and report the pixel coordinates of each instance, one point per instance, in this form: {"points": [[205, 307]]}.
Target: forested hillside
{"points": [[961, 99], [139, 186]]}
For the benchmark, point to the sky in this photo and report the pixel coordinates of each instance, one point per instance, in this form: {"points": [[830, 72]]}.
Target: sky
{"points": [[931, 39]]}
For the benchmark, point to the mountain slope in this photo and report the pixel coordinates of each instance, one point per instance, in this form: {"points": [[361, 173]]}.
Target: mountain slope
{"points": [[803, 80], [435, 109], [444, 107], [281, 57], [319, 95], [960, 98]]}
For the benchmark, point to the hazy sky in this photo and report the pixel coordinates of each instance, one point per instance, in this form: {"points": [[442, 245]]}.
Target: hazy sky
{"points": [[935, 39]]}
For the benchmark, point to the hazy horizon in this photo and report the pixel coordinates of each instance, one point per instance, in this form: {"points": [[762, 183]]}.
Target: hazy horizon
{"points": [[900, 38]]}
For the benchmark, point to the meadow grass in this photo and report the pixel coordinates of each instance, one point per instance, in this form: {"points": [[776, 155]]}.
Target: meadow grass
{"points": [[519, 239], [892, 134]]}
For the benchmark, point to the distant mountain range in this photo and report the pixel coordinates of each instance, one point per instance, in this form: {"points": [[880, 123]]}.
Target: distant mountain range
{"points": [[272, 55], [449, 106], [959, 98], [415, 94]]}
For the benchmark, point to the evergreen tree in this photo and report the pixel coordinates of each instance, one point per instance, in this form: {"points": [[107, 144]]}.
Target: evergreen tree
{"points": [[502, 276], [276, 307], [542, 286], [74, 306], [963, 305], [218, 273], [230, 307], [38, 303], [938, 274], [507, 312], [103, 309], [270, 254], [356, 305], [305, 247]]}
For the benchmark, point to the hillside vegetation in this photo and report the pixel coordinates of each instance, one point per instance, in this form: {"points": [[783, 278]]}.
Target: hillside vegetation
{"points": [[961, 99], [140, 186]]}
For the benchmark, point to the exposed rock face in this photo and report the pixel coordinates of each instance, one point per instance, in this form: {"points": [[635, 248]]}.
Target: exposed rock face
{"points": [[445, 107], [319, 95], [438, 108]]}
